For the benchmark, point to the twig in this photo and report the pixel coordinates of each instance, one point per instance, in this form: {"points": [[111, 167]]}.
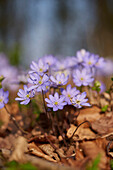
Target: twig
{"points": [[78, 127], [14, 121]]}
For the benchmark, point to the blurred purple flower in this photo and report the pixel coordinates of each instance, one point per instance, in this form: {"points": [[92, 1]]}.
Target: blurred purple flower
{"points": [[82, 77], [41, 67], [24, 95], [69, 93], [100, 64], [60, 79], [79, 100], [56, 102], [90, 61], [80, 55], [39, 83], [10, 73], [50, 60], [3, 97]]}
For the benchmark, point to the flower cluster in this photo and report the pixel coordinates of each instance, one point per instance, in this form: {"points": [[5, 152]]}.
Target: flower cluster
{"points": [[50, 73]]}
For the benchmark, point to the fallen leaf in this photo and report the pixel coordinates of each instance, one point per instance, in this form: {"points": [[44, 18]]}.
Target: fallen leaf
{"points": [[91, 114], [103, 126], [35, 150], [20, 147], [48, 149], [91, 150], [81, 133]]}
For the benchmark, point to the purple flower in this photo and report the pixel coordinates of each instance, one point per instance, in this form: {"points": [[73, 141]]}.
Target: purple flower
{"points": [[10, 73], [50, 60], [41, 67], [82, 77], [69, 93], [39, 83], [24, 95], [79, 100], [90, 61], [80, 55], [3, 97], [56, 102], [100, 63], [60, 79]]}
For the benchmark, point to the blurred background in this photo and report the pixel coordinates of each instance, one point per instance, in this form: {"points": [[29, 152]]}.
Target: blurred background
{"points": [[31, 29]]}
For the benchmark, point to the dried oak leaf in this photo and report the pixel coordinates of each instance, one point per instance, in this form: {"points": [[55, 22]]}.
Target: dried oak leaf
{"points": [[92, 150], [103, 126], [49, 150], [81, 134], [35, 150], [91, 114]]}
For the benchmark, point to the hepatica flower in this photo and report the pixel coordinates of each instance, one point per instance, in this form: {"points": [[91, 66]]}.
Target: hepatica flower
{"points": [[56, 102], [24, 95], [80, 55], [50, 60], [91, 60], [39, 83], [41, 67], [100, 63], [3, 97], [60, 79], [82, 77], [79, 100], [69, 93]]}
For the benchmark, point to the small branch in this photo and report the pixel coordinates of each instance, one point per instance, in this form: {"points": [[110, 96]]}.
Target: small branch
{"points": [[14, 121], [78, 127]]}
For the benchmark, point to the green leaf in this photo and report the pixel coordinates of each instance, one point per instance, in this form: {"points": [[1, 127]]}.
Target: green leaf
{"points": [[104, 109], [112, 78]]}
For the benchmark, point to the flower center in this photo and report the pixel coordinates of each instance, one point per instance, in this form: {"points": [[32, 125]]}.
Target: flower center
{"points": [[56, 103], [82, 78], [28, 95], [41, 70], [69, 95], [40, 82], [89, 63], [1, 99], [77, 101]]}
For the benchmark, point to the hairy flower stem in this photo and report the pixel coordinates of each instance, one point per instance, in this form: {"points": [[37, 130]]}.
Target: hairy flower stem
{"points": [[59, 129], [44, 104], [78, 127], [15, 122]]}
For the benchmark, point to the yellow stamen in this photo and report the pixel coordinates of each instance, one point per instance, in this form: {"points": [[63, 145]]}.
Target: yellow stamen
{"points": [[1, 100], [40, 69], [81, 78], [89, 63], [27, 95], [56, 103]]}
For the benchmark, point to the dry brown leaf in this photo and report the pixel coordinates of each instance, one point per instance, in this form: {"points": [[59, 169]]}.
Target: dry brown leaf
{"points": [[20, 147], [7, 142], [103, 126], [91, 114], [35, 150], [48, 149], [81, 134], [91, 150], [79, 165]]}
